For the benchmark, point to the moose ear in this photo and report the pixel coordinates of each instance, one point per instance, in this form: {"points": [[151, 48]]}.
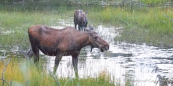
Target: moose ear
{"points": [[91, 28], [87, 30], [86, 13]]}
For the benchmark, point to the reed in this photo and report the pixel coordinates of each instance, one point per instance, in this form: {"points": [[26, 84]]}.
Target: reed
{"points": [[25, 73]]}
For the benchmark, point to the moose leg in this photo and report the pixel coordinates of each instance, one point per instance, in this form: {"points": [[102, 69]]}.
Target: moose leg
{"points": [[75, 64], [75, 26], [57, 60], [83, 28], [75, 22], [36, 54], [79, 27], [30, 53]]}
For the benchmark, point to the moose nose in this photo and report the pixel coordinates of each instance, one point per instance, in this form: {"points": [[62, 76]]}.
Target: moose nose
{"points": [[107, 47]]}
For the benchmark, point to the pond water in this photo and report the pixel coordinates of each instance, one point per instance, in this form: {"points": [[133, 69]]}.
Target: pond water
{"points": [[141, 64]]}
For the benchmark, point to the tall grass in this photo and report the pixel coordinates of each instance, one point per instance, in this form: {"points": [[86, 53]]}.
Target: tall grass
{"points": [[154, 1], [151, 25], [25, 73], [17, 24]]}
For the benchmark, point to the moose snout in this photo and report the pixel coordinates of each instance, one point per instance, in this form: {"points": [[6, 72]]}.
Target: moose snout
{"points": [[107, 47], [104, 48]]}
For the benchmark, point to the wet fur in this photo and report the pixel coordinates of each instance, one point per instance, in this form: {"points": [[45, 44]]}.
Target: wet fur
{"points": [[61, 42], [50, 41]]}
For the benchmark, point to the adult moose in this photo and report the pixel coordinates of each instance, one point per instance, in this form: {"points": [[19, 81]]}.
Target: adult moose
{"points": [[80, 19], [63, 42]]}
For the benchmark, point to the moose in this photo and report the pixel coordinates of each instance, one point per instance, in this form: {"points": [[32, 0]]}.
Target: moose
{"points": [[63, 42], [80, 19]]}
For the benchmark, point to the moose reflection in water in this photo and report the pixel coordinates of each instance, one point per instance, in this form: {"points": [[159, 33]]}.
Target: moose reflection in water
{"points": [[63, 42], [80, 19]]}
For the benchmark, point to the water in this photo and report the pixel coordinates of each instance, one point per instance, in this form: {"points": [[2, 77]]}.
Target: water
{"points": [[124, 61]]}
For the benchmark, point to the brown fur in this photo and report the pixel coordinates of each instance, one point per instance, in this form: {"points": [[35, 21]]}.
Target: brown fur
{"points": [[80, 19], [60, 42]]}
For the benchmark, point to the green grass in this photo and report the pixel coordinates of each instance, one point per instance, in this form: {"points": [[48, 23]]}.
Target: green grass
{"points": [[22, 72], [154, 1], [150, 25], [19, 22]]}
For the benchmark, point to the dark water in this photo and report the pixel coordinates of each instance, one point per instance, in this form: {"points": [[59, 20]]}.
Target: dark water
{"points": [[124, 61]]}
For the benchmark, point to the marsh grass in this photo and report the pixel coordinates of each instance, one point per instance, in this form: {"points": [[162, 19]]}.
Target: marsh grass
{"points": [[17, 24], [14, 23], [154, 1], [25, 73], [150, 25]]}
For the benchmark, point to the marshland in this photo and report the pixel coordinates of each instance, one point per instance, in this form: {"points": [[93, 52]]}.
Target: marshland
{"points": [[139, 33]]}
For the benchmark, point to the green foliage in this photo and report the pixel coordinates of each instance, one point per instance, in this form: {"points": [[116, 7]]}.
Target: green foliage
{"points": [[26, 73], [154, 1], [150, 25], [14, 25]]}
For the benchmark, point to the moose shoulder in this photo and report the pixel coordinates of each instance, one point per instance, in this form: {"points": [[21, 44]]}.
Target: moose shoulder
{"points": [[60, 42]]}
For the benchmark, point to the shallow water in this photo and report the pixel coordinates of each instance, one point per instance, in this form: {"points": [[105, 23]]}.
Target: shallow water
{"points": [[124, 61]]}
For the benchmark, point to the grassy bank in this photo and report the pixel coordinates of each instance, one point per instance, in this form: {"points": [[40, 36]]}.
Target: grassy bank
{"points": [[142, 24], [150, 25], [14, 25], [17, 72]]}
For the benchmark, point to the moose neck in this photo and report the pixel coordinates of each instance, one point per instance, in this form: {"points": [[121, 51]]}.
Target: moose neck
{"points": [[84, 39]]}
